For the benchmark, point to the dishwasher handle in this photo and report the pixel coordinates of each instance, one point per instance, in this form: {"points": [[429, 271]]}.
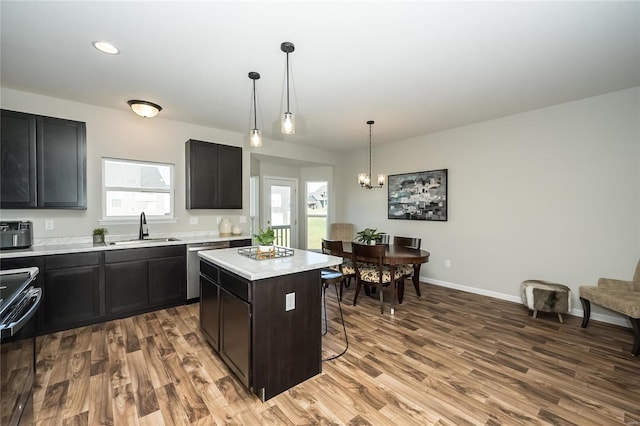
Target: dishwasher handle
{"points": [[212, 246]]}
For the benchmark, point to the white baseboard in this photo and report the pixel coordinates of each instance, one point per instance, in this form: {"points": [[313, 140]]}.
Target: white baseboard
{"points": [[610, 319]]}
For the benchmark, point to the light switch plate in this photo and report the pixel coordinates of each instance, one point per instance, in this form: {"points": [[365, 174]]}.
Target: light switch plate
{"points": [[243, 219], [290, 302]]}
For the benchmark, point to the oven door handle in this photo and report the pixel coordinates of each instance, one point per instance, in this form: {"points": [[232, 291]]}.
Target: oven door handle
{"points": [[12, 328]]}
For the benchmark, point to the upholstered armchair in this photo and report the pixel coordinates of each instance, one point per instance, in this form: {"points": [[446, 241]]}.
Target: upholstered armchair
{"points": [[616, 295]]}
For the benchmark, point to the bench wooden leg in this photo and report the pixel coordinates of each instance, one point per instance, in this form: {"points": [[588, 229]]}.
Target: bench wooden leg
{"points": [[635, 324], [586, 308]]}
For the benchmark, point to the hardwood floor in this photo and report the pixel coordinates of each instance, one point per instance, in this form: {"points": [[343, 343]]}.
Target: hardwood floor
{"points": [[449, 357]]}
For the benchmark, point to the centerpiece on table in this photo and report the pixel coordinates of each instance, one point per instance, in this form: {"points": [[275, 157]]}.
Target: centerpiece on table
{"points": [[369, 236], [265, 239]]}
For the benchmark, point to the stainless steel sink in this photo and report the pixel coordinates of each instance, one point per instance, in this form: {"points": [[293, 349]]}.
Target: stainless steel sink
{"points": [[146, 240]]}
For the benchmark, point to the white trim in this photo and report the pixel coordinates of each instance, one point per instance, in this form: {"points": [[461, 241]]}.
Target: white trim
{"points": [[136, 221], [609, 319]]}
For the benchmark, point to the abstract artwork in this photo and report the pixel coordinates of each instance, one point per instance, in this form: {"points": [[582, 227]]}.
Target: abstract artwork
{"points": [[418, 196]]}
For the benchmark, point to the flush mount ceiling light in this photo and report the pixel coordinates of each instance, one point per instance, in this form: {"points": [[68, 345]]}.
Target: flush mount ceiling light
{"points": [[144, 108], [365, 179], [288, 121], [255, 138], [106, 47]]}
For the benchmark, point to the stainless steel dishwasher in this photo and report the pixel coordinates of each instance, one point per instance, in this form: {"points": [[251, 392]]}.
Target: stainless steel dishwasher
{"points": [[193, 266]]}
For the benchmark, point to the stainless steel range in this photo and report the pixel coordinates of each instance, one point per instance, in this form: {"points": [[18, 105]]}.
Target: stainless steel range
{"points": [[19, 301]]}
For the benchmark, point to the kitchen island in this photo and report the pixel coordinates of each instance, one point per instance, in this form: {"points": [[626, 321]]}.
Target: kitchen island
{"points": [[263, 317]]}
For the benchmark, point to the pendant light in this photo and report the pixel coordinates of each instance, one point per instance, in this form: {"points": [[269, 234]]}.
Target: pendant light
{"points": [[255, 137], [288, 121], [145, 109], [364, 179]]}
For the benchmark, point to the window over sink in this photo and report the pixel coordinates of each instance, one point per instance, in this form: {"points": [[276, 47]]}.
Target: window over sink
{"points": [[130, 187]]}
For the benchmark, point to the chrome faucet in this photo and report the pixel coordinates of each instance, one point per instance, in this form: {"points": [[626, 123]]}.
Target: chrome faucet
{"points": [[143, 227]]}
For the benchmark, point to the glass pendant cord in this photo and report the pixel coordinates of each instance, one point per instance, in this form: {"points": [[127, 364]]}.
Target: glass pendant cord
{"points": [[288, 82], [255, 115], [255, 138]]}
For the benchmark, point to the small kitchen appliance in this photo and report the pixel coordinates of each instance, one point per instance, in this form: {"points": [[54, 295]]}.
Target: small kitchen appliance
{"points": [[16, 234]]}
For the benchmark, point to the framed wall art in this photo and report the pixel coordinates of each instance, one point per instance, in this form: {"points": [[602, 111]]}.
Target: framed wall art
{"points": [[418, 196]]}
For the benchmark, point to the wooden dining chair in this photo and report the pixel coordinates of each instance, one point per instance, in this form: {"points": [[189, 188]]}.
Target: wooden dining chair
{"points": [[410, 242], [371, 271], [346, 268]]}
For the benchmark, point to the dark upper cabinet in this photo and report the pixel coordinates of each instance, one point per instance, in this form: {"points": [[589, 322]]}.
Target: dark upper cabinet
{"points": [[43, 162], [62, 178], [18, 152], [214, 175]]}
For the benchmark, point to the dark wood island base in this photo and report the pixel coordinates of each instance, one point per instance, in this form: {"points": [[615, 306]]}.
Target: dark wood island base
{"points": [[269, 345]]}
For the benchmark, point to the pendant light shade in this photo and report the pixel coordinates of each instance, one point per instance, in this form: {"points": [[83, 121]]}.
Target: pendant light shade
{"points": [[255, 136], [364, 179], [288, 120], [144, 108]]}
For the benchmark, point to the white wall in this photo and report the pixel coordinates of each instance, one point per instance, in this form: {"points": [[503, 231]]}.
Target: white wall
{"points": [[122, 134], [550, 194]]}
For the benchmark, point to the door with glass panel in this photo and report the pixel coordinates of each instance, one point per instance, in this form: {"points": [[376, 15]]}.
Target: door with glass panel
{"points": [[280, 209]]}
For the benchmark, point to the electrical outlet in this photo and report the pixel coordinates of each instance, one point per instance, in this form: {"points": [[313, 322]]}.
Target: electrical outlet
{"points": [[48, 224], [193, 220], [243, 219], [218, 219], [290, 302], [447, 263]]}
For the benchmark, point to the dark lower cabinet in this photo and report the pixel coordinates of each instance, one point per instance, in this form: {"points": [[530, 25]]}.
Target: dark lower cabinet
{"points": [[210, 305], [142, 279], [240, 243], [268, 347], [167, 280], [72, 289], [72, 295], [235, 334], [127, 286]]}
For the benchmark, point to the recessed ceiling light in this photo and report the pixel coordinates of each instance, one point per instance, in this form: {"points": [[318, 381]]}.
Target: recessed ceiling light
{"points": [[106, 47]]}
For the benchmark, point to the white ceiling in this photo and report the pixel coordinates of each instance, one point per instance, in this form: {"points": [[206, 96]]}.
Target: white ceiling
{"points": [[413, 67]]}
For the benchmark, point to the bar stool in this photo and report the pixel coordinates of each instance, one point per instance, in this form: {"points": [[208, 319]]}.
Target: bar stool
{"points": [[329, 276]]}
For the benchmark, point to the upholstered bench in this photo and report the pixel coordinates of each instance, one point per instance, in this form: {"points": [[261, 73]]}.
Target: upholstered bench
{"points": [[619, 296], [544, 296]]}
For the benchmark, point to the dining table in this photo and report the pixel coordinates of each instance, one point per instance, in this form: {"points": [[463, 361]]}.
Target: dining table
{"points": [[398, 255]]}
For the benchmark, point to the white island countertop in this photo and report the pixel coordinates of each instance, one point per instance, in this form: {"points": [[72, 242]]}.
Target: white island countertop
{"points": [[252, 269]]}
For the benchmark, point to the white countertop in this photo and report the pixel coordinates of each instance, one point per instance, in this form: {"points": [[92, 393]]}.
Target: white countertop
{"points": [[253, 269], [83, 247]]}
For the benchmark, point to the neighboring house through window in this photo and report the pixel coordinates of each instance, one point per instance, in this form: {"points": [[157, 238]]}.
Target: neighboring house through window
{"points": [[130, 187]]}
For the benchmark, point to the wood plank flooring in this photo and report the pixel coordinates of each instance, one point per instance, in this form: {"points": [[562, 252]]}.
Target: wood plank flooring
{"points": [[448, 358]]}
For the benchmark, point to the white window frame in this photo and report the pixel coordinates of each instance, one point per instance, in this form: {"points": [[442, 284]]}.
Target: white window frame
{"points": [[134, 219]]}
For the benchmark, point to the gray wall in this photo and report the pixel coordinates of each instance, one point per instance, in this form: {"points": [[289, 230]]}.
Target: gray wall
{"points": [[550, 194]]}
